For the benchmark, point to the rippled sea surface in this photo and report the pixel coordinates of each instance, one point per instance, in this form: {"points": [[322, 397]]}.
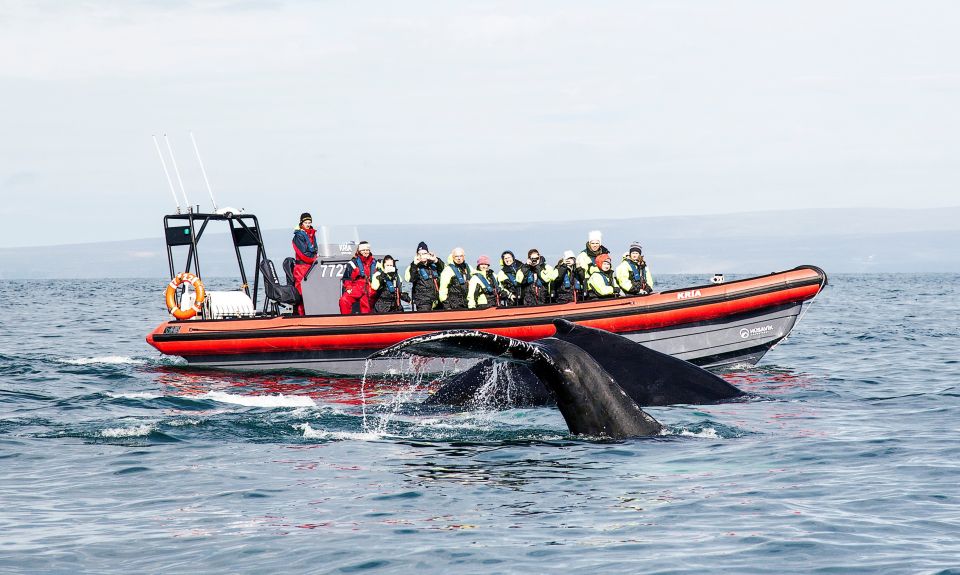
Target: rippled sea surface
{"points": [[116, 460]]}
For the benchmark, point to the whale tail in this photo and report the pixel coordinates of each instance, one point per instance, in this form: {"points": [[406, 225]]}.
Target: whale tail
{"points": [[649, 376], [589, 398]]}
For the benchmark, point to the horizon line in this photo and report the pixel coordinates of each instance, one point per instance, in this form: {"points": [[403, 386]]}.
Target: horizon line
{"points": [[531, 222]]}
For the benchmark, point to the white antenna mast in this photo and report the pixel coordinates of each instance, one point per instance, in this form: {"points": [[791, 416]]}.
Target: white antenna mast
{"points": [[166, 172], [176, 171], [203, 171]]}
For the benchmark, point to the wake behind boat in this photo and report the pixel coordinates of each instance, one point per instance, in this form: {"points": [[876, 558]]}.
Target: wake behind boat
{"points": [[709, 325]]}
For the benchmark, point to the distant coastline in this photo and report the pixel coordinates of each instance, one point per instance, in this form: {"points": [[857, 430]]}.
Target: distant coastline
{"points": [[839, 240]]}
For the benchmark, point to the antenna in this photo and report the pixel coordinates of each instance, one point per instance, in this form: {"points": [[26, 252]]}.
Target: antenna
{"points": [[166, 172], [176, 171], [203, 171]]}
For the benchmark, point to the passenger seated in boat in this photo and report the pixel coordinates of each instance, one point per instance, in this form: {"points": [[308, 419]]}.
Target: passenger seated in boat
{"points": [[602, 283], [568, 286], [633, 274], [454, 280], [305, 250], [587, 258], [356, 280], [534, 278], [507, 276], [423, 275], [387, 287], [484, 290]]}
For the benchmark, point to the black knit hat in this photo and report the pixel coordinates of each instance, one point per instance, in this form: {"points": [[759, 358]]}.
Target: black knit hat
{"points": [[305, 216], [635, 247], [422, 246]]}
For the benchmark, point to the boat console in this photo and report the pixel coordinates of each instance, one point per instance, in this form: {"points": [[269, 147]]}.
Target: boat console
{"points": [[321, 287]]}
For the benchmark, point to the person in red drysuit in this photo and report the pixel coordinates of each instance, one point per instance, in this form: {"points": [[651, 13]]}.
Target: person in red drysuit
{"points": [[305, 250], [356, 280]]}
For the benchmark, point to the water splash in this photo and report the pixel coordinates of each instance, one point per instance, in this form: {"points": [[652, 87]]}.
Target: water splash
{"points": [[497, 389], [135, 431]]}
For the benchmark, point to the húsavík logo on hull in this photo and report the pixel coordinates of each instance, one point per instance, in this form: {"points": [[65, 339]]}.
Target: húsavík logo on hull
{"points": [[745, 333]]}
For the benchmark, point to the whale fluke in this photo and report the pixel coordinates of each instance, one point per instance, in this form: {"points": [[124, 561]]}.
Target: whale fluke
{"points": [[589, 398], [649, 377]]}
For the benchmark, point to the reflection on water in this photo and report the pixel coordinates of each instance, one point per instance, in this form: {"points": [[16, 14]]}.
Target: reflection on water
{"points": [[335, 390], [476, 465], [769, 380]]}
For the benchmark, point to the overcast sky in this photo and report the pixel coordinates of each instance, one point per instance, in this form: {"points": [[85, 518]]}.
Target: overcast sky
{"points": [[370, 112]]}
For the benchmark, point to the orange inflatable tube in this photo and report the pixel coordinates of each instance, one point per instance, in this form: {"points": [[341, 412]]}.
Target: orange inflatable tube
{"points": [[171, 294]]}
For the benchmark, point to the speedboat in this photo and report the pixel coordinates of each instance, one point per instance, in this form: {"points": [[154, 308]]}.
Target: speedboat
{"points": [[712, 325]]}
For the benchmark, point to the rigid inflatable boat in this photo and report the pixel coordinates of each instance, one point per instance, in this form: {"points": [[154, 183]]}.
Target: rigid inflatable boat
{"points": [[710, 325]]}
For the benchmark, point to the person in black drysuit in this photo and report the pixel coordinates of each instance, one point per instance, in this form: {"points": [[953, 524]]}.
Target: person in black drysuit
{"points": [[423, 275], [387, 288], [454, 280], [568, 287], [507, 276], [534, 278]]}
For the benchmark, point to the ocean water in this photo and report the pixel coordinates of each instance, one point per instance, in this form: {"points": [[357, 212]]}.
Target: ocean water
{"points": [[116, 460]]}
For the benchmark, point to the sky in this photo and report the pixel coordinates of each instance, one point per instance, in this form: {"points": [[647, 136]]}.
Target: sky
{"points": [[418, 112]]}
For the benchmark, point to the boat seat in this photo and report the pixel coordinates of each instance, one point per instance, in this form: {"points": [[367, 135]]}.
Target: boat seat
{"points": [[282, 294], [226, 304], [288, 264]]}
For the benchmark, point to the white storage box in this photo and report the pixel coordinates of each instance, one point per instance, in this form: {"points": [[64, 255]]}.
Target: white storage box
{"points": [[227, 304]]}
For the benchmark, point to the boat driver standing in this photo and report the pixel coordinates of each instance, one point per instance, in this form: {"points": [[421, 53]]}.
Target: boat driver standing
{"points": [[305, 250]]}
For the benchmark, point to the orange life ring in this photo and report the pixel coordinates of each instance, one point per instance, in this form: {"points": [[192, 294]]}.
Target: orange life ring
{"points": [[185, 277]]}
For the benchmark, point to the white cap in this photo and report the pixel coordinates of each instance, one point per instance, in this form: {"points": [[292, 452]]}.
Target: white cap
{"points": [[594, 236], [568, 254], [363, 246]]}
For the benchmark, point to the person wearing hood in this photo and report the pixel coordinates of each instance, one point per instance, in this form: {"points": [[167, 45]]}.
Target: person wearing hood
{"points": [[356, 280], [587, 258], [423, 274], [633, 275], [568, 285], [484, 290], [507, 276], [387, 287], [453, 280], [534, 278], [305, 250], [602, 283]]}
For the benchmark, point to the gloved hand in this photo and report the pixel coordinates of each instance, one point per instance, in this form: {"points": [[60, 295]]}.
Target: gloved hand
{"points": [[405, 297]]}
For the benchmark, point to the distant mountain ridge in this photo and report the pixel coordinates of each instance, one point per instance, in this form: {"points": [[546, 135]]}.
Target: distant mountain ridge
{"points": [[838, 240]]}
